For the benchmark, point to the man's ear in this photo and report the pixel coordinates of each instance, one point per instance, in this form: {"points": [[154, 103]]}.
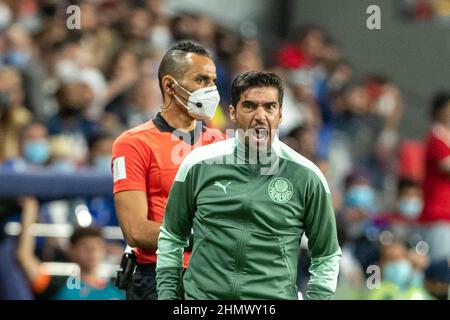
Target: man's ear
{"points": [[232, 110], [168, 84]]}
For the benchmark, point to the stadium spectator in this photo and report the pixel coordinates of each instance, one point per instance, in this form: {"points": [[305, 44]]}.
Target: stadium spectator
{"points": [[402, 220], [87, 250], [14, 115], [71, 121], [360, 206], [400, 280], [436, 212], [437, 279], [34, 149]]}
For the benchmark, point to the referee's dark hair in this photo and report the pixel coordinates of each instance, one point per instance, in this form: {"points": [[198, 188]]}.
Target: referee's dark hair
{"points": [[252, 79], [440, 100], [173, 62]]}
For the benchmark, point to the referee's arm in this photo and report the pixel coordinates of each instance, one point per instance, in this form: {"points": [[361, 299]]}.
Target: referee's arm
{"points": [[132, 209], [131, 160]]}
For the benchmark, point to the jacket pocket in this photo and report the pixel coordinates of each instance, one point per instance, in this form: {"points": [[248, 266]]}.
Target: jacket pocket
{"points": [[197, 245], [290, 272]]}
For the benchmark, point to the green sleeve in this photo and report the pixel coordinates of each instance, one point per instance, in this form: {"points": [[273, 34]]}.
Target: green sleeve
{"points": [[173, 238], [320, 229]]}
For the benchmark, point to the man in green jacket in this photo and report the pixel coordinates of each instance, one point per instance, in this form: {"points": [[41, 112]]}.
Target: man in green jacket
{"points": [[248, 201]]}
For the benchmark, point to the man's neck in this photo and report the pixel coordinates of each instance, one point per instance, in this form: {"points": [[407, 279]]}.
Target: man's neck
{"points": [[91, 277], [178, 120], [91, 274]]}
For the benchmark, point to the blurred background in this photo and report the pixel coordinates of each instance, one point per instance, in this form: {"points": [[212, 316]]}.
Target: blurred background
{"points": [[367, 106]]}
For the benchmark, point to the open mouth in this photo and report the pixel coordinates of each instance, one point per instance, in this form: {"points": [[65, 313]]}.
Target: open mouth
{"points": [[260, 133]]}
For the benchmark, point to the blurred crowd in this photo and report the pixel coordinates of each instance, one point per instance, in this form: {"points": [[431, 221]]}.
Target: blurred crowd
{"points": [[425, 10], [66, 94]]}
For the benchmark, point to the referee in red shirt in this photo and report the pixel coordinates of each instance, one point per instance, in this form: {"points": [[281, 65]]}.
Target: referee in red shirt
{"points": [[436, 187], [146, 158]]}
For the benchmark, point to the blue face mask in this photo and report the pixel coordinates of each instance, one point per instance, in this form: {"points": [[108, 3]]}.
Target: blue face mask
{"points": [[399, 272], [19, 59], [410, 208], [36, 151], [102, 164], [362, 197], [417, 280]]}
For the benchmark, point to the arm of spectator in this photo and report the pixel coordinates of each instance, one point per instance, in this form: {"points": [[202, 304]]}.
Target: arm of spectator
{"points": [[391, 106], [132, 210], [120, 83], [26, 244], [439, 149]]}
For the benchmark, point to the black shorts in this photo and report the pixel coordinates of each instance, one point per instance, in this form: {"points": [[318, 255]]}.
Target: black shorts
{"points": [[143, 283]]}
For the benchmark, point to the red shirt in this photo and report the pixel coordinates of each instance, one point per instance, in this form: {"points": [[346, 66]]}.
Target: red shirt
{"points": [[147, 158], [436, 185]]}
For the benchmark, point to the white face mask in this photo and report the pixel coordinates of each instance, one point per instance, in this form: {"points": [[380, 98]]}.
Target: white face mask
{"points": [[202, 103]]}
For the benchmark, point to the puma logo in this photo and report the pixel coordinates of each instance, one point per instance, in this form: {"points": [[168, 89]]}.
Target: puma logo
{"points": [[224, 187]]}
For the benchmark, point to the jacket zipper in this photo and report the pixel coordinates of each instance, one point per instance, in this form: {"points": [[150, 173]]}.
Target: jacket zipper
{"points": [[239, 261], [243, 239]]}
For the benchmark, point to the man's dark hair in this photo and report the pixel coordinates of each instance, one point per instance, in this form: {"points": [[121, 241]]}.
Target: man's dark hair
{"points": [[173, 62], [405, 183], [440, 100], [85, 232], [252, 79]]}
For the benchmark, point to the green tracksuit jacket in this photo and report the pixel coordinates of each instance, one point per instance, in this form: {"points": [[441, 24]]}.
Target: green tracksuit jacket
{"points": [[247, 225]]}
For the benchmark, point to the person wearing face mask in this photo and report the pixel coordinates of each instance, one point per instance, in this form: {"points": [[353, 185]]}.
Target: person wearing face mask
{"points": [[34, 149], [356, 218], [360, 204], [146, 158], [399, 275], [402, 221], [435, 217]]}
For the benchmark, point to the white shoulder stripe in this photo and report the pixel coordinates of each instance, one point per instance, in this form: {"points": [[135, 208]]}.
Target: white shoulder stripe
{"points": [[203, 153], [287, 153]]}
